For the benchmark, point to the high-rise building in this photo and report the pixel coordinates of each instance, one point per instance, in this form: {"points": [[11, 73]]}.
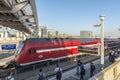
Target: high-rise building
{"points": [[44, 31], [86, 34], [57, 33]]}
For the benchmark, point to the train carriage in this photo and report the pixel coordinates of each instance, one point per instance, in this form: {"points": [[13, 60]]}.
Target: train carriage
{"points": [[36, 50]]}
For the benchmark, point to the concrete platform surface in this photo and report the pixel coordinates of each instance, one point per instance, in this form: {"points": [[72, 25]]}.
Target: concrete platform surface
{"points": [[71, 75]]}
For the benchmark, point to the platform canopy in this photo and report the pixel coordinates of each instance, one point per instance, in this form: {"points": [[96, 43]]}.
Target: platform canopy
{"points": [[20, 15]]}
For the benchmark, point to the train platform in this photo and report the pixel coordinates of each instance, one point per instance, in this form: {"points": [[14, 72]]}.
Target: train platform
{"points": [[71, 75], [84, 58], [6, 59]]}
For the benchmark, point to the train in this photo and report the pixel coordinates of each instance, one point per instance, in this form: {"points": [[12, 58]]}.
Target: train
{"points": [[35, 50], [89, 46], [93, 45]]}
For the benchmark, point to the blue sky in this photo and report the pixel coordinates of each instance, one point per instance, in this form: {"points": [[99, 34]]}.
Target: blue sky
{"points": [[72, 16]]}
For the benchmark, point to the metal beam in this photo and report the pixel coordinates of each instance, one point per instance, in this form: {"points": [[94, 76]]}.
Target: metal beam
{"points": [[4, 10], [19, 6], [10, 22], [6, 3], [28, 23], [19, 28], [25, 17], [33, 25], [4, 19], [30, 26], [32, 2], [8, 18]]}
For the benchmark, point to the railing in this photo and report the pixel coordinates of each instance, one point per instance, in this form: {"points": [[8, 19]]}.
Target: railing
{"points": [[110, 73]]}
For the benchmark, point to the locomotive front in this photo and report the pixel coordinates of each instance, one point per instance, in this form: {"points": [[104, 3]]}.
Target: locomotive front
{"points": [[18, 51]]}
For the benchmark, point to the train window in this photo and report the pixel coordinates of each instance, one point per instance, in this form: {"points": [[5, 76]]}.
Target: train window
{"points": [[18, 49], [32, 51]]}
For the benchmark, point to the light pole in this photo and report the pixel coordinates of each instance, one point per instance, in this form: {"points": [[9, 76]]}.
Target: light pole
{"points": [[102, 39]]}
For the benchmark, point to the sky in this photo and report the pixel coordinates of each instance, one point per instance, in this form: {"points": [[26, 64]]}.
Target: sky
{"points": [[73, 16]]}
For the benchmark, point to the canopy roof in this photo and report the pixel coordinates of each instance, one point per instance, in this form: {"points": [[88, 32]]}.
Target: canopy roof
{"points": [[18, 14]]}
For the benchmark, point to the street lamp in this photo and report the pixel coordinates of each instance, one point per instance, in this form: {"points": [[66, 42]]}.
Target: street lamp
{"points": [[102, 39]]}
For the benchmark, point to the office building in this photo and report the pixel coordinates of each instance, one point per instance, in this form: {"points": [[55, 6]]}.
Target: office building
{"points": [[86, 34], [44, 31]]}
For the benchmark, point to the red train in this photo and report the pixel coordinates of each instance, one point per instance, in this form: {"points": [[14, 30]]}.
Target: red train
{"points": [[36, 50], [93, 45]]}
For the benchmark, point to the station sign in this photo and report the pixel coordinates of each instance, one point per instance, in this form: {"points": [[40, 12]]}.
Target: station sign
{"points": [[8, 46]]}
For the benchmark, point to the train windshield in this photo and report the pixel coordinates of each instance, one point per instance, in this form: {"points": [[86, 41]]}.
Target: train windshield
{"points": [[19, 49]]}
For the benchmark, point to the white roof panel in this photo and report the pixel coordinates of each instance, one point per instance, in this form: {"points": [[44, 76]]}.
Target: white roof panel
{"points": [[27, 10]]}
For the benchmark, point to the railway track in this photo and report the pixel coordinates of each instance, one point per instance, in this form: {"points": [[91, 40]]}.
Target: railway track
{"points": [[48, 67]]}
